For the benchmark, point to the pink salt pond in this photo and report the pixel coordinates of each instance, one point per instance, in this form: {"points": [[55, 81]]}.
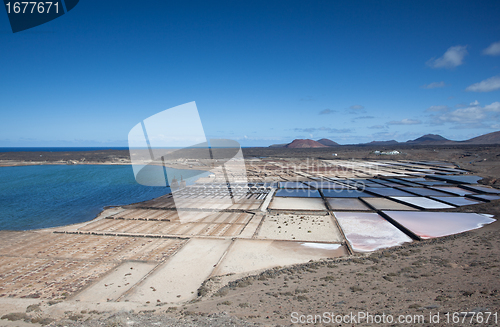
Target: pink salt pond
{"points": [[369, 231], [437, 224]]}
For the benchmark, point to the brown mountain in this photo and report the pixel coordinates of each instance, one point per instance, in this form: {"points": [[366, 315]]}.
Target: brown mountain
{"points": [[490, 138], [299, 143], [328, 142]]}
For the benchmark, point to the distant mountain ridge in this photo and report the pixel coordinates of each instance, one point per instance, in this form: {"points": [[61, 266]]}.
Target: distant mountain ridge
{"points": [[427, 139], [390, 142], [299, 144], [490, 138], [328, 142], [306, 143]]}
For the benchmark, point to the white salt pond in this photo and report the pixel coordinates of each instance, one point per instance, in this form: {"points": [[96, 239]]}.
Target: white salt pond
{"points": [[282, 203], [422, 203], [324, 246], [179, 278], [456, 200], [253, 255]]}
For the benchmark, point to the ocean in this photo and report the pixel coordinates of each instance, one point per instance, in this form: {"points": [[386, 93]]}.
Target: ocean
{"points": [[58, 149], [33, 197]]}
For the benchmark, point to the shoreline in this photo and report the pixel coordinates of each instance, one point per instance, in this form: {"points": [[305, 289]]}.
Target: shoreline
{"points": [[3, 163], [402, 279]]}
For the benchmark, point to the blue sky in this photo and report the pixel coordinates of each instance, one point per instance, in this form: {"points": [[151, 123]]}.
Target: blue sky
{"points": [[261, 72]]}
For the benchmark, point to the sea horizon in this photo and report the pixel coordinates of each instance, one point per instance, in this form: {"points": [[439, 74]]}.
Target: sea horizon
{"points": [[59, 149], [73, 149]]}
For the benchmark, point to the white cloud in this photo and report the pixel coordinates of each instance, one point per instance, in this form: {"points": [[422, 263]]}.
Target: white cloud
{"points": [[464, 115], [385, 136], [488, 85], [327, 111], [437, 109], [494, 107], [377, 127], [472, 116], [323, 129], [433, 85], [363, 117], [405, 121], [452, 58], [356, 107], [493, 49], [470, 126]]}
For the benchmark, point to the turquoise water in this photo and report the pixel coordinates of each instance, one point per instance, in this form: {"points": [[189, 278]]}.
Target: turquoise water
{"points": [[34, 197]]}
